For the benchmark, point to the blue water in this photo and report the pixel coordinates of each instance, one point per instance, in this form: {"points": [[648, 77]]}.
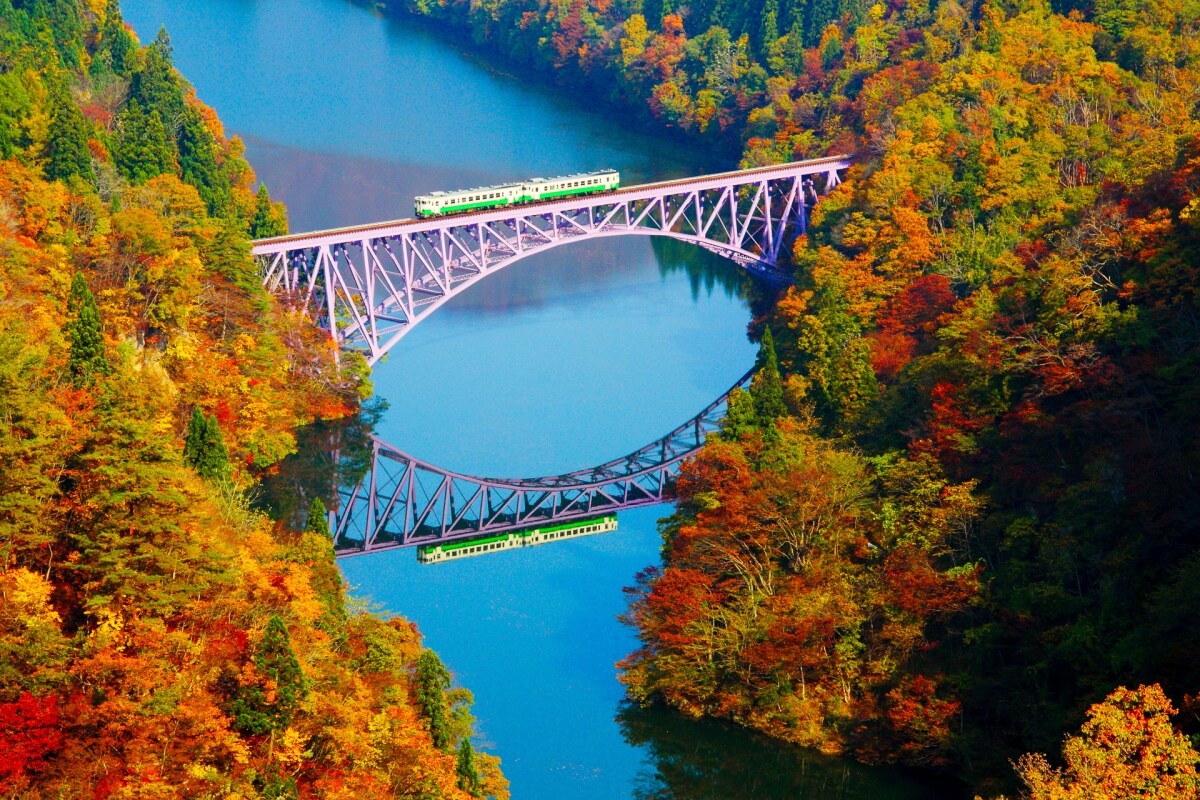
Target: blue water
{"points": [[561, 362]]}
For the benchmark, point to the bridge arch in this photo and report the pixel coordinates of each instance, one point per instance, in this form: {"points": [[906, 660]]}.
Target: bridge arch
{"points": [[403, 501], [371, 285]]}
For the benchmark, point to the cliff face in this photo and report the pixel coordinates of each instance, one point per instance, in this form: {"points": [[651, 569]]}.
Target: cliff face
{"points": [[157, 636]]}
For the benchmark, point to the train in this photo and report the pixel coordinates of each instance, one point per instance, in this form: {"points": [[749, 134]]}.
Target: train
{"points": [[437, 553], [436, 204]]}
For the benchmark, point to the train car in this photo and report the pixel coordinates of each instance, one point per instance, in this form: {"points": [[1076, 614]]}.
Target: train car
{"points": [[464, 548], [437, 204]]}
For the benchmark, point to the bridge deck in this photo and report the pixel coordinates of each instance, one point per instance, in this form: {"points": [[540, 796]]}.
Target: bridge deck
{"points": [[276, 244]]}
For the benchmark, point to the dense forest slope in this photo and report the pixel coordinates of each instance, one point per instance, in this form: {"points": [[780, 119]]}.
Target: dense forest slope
{"points": [[961, 503], [157, 636]]}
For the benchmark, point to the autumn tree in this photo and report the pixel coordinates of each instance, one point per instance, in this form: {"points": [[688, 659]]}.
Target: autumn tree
{"points": [[1126, 750]]}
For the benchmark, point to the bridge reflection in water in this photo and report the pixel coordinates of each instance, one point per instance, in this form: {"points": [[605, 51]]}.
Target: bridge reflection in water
{"points": [[403, 501]]}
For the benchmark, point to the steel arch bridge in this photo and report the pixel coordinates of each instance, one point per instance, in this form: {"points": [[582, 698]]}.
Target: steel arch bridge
{"points": [[370, 285], [403, 501]]}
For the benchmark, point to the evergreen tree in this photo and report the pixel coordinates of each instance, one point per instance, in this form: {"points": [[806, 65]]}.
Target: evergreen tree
{"points": [[116, 40], [204, 448], [767, 388], [269, 217], [198, 163], [818, 15], [318, 519], [468, 776], [67, 151], [793, 48], [769, 32], [740, 416], [141, 149], [253, 712], [156, 85], [87, 359], [432, 681]]}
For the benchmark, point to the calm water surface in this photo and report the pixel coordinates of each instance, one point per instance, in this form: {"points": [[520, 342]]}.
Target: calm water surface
{"points": [[563, 361]]}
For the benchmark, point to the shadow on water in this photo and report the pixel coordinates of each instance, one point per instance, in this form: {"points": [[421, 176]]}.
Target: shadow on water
{"points": [[708, 760], [329, 454]]}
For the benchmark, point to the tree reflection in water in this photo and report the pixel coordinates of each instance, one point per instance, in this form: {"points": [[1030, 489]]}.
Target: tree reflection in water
{"points": [[707, 760], [329, 454]]}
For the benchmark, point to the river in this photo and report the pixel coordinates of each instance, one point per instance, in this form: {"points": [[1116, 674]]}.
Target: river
{"points": [[563, 361]]}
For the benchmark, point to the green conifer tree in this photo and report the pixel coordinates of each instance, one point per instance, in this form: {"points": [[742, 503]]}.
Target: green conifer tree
{"points": [[204, 448], [793, 48], [767, 388], [318, 519], [116, 40], [253, 713], [198, 163], [142, 149], [468, 776], [87, 359], [269, 218], [432, 681], [769, 32], [740, 416], [156, 86], [67, 151]]}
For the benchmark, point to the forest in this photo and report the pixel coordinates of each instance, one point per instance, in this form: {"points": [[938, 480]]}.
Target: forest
{"points": [[159, 636], [955, 519]]}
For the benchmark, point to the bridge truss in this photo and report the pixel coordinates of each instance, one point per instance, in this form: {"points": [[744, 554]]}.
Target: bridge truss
{"points": [[371, 285], [403, 501]]}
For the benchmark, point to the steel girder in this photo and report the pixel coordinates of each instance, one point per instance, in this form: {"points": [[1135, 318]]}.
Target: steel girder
{"points": [[404, 501], [370, 285]]}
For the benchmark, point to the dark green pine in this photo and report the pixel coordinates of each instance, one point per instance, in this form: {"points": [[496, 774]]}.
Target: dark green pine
{"points": [[87, 359], [141, 149], [432, 681], [204, 448], [67, 151], [767, 388], [318, 519], [468, 775]]}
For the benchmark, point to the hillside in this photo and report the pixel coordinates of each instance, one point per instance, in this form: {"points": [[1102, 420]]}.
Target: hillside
{"points": [[158, 637], [960, 505]]}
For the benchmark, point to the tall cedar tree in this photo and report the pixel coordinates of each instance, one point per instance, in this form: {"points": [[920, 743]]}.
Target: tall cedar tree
{"points": [[255, 711], [468, 775], [204, 448], [198, 163], [269, 218], [67, 151], [141, 149], [767, 388], [116, 40], [87, 360], [318, 519], [432, 681], [156, 86]]}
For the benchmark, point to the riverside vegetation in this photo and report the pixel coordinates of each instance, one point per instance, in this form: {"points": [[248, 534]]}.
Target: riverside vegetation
{"points": [[957, 514], [158, 637]]}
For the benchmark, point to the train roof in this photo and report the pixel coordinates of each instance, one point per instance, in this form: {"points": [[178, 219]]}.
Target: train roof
{"points": [[443, 192]]}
